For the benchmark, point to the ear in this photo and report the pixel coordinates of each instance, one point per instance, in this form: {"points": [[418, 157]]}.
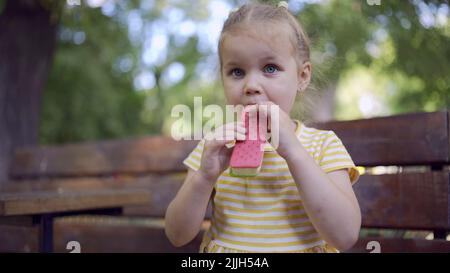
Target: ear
{"points": [[304, 75]]}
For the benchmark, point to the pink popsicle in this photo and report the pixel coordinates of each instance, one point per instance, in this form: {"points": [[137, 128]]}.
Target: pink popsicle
{"points": [[248, 154]]}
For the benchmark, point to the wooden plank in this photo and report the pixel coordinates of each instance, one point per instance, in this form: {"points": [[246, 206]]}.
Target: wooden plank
{"points": [[90, 183], [407, 139], [117, 235], [141, 155], [399, 245], [25, 203], [162, 189], [107, 235], [409, 200], [376, 141], [17, 221], [406, 201], [19, 238]]}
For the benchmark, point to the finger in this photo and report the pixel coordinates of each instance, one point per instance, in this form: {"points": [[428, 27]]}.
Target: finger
{"points": [[229, 144], [251, 108], [263, 111], [238, 132], [240, 128], [233, 135], [226, 130], [231, 126], [271, 107], [262, 122], [240, 136], [221, 132], [253, 125]]}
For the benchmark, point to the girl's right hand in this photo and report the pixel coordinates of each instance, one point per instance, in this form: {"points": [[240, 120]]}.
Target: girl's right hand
{"points": [[216, 156]]}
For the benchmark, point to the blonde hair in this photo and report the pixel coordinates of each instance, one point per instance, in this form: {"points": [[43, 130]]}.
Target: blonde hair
{"points": [[250, 13]]}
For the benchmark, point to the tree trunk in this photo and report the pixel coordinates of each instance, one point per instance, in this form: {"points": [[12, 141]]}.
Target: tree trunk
{"points": [[27, 42]]}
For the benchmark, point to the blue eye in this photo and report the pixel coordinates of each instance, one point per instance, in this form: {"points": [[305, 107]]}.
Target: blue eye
{"points": [[236, 72], [270, 68]]}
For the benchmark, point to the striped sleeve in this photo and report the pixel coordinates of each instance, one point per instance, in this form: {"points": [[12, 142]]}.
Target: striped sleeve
{"points": [[334, 156], [194, 158]]}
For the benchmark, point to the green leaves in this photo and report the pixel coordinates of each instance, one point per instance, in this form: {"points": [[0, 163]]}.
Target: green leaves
{"points": [[91, 94]]}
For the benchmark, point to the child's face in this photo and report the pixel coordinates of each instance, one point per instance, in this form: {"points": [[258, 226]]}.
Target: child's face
{"points": [[256, 70]]}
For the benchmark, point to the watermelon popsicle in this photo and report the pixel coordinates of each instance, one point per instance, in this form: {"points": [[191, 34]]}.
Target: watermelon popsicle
{"points": [[247, 155]]}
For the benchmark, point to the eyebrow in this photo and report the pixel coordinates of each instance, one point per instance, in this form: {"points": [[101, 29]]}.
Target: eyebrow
{"points": [[230, 64], [265, 59]]}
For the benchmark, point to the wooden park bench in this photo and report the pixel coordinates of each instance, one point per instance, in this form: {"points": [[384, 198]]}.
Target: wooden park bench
{"points": [[417, 198], [27, 216], [414, 198], [90, 181]]}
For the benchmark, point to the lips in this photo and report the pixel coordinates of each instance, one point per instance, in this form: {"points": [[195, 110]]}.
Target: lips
{"points": [[252, 103]]}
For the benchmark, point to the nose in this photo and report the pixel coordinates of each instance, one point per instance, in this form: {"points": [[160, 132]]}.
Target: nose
{"points": [[252, 86]]}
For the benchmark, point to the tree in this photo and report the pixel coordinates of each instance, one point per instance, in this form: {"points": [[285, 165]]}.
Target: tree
{"points": [[91, 91], [89, 94], [102, 67], [409, 53], [27, 41]]}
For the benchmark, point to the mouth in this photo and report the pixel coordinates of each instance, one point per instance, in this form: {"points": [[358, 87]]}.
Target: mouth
{"points": [[251, 103], [249, 106]]}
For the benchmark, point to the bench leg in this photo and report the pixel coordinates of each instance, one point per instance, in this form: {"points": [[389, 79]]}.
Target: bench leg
{"points": [[440, 234], [45, 223], [47, 233]]}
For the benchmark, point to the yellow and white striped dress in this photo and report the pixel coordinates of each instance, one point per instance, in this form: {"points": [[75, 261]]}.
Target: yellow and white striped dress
{"points": [[265, 213]]}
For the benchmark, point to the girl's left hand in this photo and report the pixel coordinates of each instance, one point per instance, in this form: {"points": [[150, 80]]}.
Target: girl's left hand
{"points": [[286, 128]]}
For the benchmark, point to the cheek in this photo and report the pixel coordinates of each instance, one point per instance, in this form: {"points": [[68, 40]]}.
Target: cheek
{"points": [[284, 94], [232, 93]]}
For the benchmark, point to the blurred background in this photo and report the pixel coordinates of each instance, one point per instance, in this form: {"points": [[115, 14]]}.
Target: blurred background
{"points": [[81, 70], [101, 69], [86, 70]]}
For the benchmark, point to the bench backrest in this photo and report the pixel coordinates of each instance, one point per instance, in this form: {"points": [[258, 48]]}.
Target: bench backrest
{"points": [[417, 200]]}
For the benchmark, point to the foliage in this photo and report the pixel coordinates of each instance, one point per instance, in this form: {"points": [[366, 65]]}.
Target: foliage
{"points": [[91, 93]]}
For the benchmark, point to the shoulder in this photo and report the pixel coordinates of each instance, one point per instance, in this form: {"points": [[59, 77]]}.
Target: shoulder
{"points": [[321, 138], [328, 151]]}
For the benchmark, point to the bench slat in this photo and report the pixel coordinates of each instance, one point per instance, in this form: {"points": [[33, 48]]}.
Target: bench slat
{"points": [[143, 155], [19, 238], [23, 203], [405, 201], [399, 245], [408, 139], [162, 188], [390, 140], [106, 236]]}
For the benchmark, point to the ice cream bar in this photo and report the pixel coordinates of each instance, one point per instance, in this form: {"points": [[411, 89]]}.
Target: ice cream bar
{"points": [[247, 155]]}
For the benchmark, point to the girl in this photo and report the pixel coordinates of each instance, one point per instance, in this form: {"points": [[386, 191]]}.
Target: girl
{"points": [[302, 200]]}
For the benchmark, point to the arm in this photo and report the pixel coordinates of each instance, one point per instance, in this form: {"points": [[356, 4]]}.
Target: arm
{"points": [[186, 212], [328, 199]]}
